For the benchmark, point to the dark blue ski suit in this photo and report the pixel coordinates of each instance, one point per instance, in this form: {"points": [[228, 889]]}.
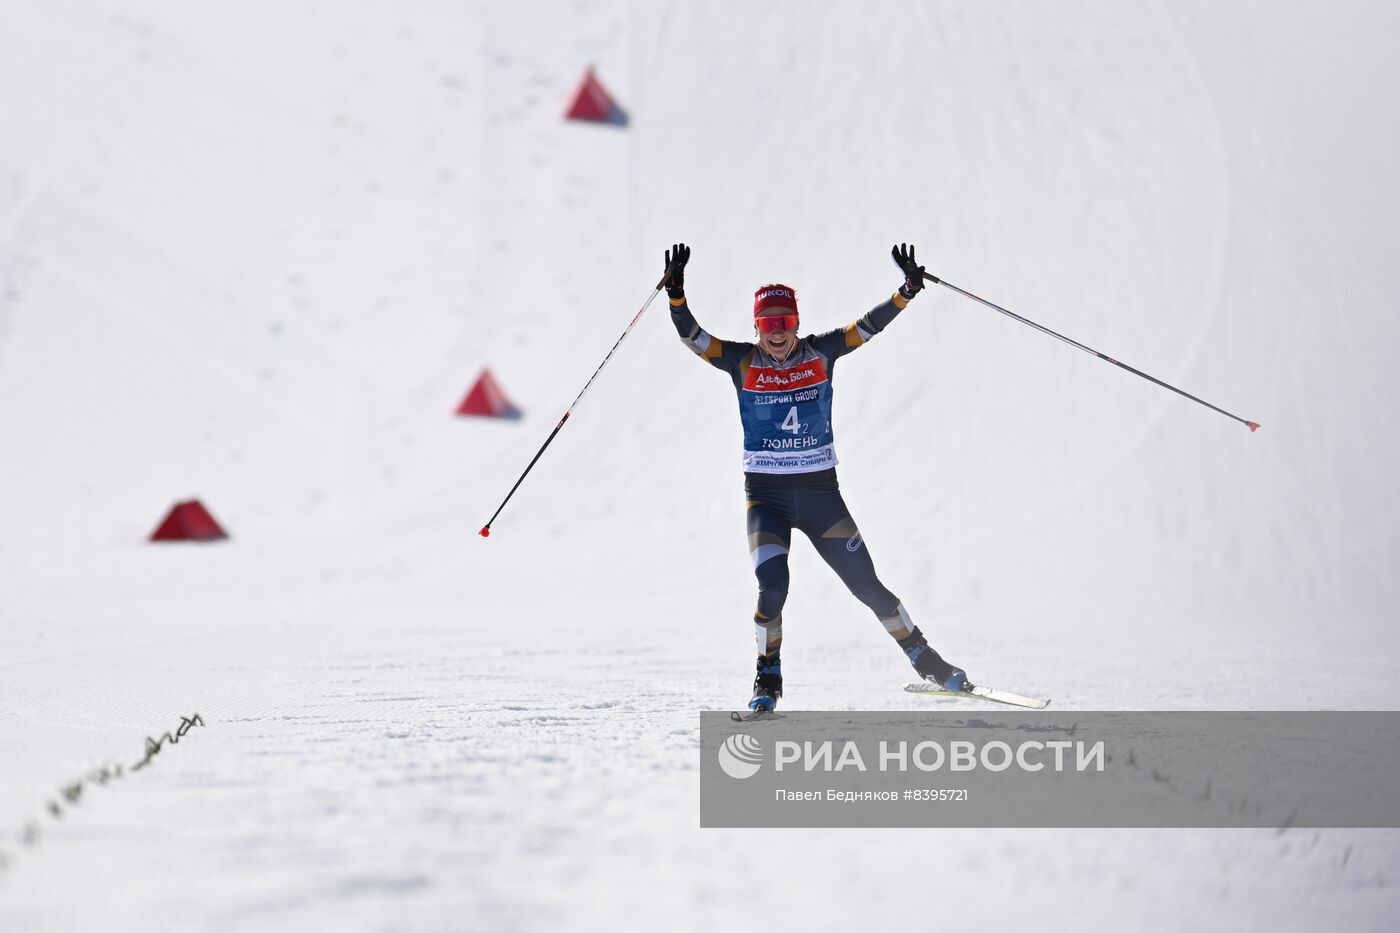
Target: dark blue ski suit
{"points": [[790, 462]]}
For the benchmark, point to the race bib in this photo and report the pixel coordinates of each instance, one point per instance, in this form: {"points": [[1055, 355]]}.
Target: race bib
{"points": [[786, 413]]}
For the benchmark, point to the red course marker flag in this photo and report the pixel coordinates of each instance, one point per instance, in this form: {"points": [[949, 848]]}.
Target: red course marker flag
{"points": [[486, 399], [189, 521], [593, 104]]}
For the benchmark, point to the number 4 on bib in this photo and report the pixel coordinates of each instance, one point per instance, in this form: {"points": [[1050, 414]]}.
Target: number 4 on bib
{"points": [[790, 423]]}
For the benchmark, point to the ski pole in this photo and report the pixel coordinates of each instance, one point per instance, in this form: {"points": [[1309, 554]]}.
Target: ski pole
{"points": [[1253, 426], [486, 529]]}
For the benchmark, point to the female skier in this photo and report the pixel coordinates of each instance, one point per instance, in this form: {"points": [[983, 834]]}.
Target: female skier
{"points": [[784, 386]]}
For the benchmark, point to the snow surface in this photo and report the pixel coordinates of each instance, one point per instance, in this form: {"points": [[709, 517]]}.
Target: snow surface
{"points": [[256, 253]]}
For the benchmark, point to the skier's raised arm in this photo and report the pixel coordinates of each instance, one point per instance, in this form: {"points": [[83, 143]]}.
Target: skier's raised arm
{"points": [[843, 340], [721, 354]]}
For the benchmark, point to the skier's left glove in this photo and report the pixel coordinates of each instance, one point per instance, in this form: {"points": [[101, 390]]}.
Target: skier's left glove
{"points": [[676, 258], [913, 272]]}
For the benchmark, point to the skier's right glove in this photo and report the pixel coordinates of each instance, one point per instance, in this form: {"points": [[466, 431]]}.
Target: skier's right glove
{"points": [[913, 272], [676, 258]]}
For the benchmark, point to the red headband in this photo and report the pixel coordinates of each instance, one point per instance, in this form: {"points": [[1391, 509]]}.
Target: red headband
{"points": [[771, 297]]}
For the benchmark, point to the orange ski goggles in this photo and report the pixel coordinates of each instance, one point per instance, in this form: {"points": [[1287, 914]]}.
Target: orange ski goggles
{"points": [[771, 322]]}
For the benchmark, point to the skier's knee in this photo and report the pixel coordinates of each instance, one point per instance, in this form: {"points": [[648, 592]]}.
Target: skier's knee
{"points": [[770, 604], [772, 587]]}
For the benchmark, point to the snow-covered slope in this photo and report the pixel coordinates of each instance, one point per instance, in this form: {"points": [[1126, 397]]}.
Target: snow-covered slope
{"points": [[257, 254]]}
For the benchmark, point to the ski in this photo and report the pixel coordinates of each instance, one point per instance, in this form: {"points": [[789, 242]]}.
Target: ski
{"points": [[755, 716], [978, 693]]}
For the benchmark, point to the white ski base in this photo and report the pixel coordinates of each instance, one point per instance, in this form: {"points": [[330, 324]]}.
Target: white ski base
{"points": [[978, 693]]}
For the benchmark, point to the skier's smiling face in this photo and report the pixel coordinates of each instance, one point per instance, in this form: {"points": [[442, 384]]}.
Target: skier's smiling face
{"points": [[776, 329]]}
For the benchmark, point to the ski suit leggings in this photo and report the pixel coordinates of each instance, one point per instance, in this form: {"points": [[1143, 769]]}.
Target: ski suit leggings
{"points": [[812, 504]]}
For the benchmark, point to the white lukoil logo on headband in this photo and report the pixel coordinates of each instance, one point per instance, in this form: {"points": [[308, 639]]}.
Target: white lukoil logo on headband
{"points": [[777, 292]]}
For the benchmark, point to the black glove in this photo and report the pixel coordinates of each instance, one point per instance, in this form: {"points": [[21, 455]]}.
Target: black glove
{"points": [[676, 258], [913, 272]]}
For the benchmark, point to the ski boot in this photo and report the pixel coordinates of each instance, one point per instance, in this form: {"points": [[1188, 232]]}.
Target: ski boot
{"points": [[929, 664], [767, 684]]}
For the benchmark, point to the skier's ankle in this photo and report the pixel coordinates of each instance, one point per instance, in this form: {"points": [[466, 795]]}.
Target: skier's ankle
{"points": [[915, 639], [767, 682]]}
